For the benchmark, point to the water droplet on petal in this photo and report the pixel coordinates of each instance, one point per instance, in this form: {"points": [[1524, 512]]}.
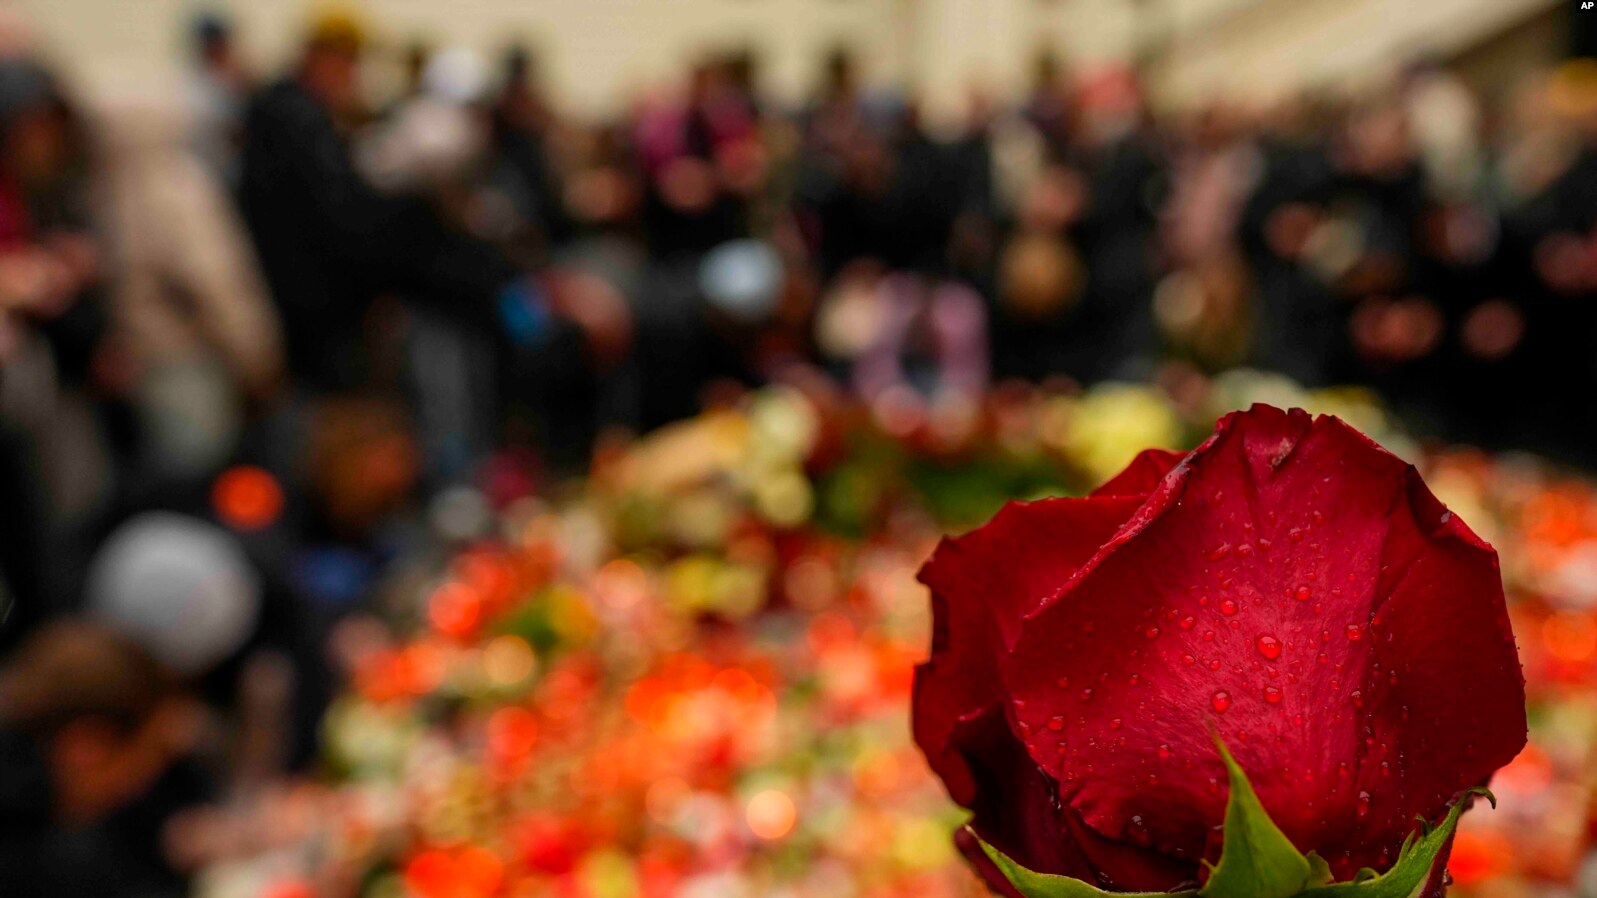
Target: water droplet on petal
{"points": [[1364, 804], [1188, 622], [1354, 632], [1151, 632], [1268, 646], [1302, 594], [1220, 701], [1056, 723], [1272, 694], [1228, 607], [1219, 552]]}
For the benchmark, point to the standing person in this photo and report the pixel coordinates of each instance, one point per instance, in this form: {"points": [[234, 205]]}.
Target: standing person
{"points": [[188, 301], [523, 171], [688, 149], [330, 244], [218, 88], [61, 376]]}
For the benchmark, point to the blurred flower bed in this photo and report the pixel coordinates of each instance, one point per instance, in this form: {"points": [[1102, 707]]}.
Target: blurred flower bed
{"points": [[690, 676]]}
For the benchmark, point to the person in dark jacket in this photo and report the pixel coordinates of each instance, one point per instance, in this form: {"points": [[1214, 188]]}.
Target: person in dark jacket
{"points": [[330, 243], [92, 733]]}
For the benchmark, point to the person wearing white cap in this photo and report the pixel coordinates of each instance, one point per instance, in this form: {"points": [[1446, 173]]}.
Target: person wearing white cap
{"points": [[179, 587]]}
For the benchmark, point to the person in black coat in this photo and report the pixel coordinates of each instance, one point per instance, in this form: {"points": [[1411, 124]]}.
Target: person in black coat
{"points": [[93, 738], [330, 243]]}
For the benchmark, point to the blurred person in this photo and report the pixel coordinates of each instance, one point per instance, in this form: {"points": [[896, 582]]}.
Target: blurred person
{"points": [[929, 348], [838, 108], [845, 168], [223, 611], [1050, 107], [92, 731], [1039, 280], [62, 423], [1212, 174], [1446, 120], [1300, 323], [218, 86], [49, 259], [1397, 322], [1113, 334], [182, 589], [187, 298], [331, 244], [413, 64], [689, 150], [522, 173], [1548, 185], [433, 139]]}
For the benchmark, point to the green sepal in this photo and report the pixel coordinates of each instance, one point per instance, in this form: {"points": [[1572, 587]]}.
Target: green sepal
{"points": [[1049, 885], [1319, 870], [1415, 863], [1257, 860]]}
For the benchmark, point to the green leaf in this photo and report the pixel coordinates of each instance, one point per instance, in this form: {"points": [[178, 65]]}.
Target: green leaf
{"points": [[1048, 885], [1257, 859], [1414, 866]]}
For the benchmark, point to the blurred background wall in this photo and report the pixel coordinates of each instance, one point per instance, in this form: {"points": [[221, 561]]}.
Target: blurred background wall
{"points": [[602, 53]]}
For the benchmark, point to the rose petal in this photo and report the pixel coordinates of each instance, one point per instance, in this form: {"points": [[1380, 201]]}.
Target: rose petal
{"points": [[1015, 812], [982, 584], [1143, 475], [1445, 684], [1270, 549]]}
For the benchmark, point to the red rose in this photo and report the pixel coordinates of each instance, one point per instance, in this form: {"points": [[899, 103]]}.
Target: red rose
{"points": [[1290, 585]]}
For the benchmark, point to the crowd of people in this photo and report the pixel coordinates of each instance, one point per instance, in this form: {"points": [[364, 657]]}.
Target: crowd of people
{"points": [[260, 348]]}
